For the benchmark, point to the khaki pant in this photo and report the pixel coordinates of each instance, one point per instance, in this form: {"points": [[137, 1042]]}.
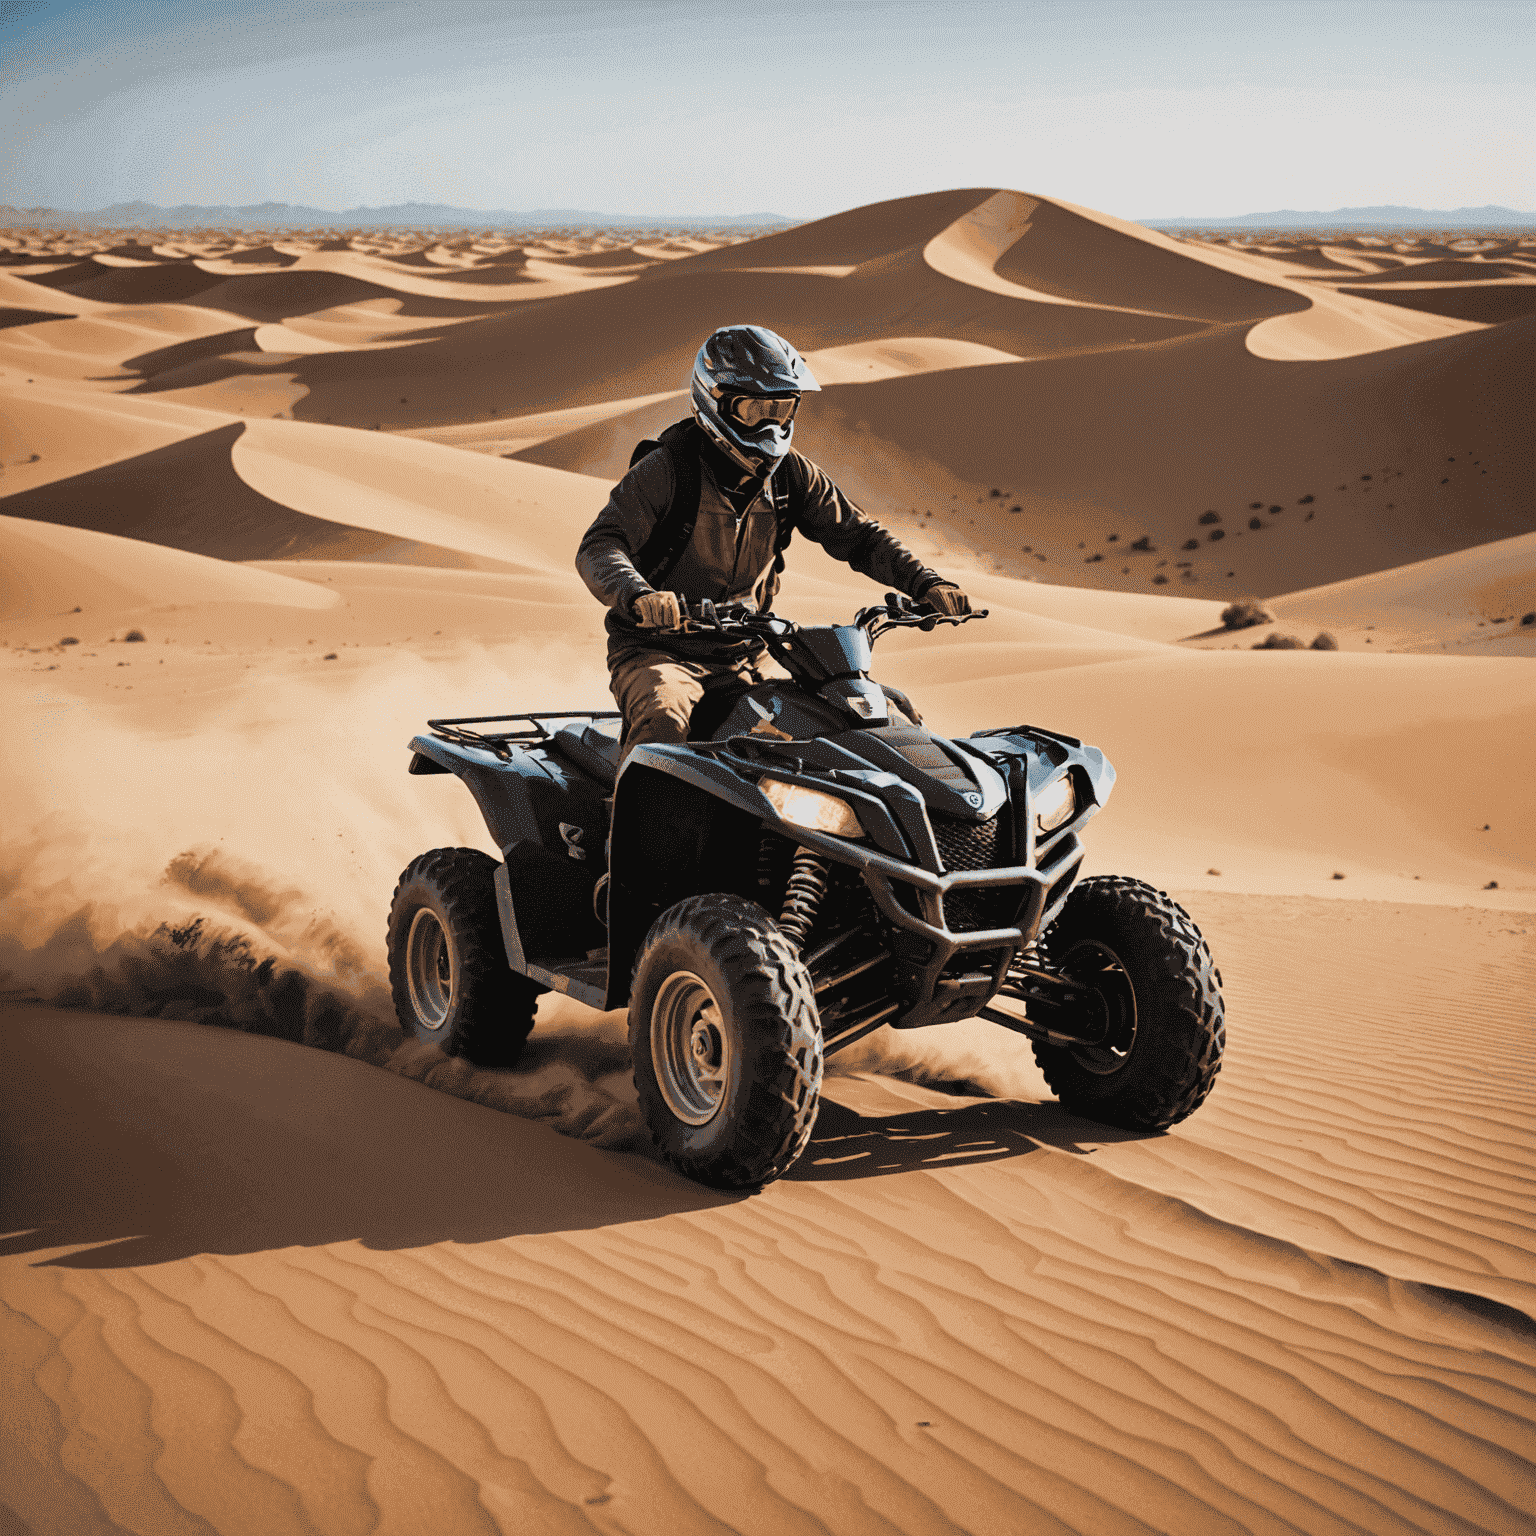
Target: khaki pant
{"points": [[656, 691]]}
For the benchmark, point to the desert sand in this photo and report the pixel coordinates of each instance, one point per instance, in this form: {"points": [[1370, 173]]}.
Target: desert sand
{"points": [[295, 1274]]}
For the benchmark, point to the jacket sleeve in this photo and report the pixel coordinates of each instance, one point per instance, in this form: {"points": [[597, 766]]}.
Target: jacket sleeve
{"points": [[605, 559], [850, 535]]}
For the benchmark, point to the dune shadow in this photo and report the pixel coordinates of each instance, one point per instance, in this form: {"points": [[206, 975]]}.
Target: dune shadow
{"points": [[137, 1141], [848, 1145], [198, 349], [1491, 305], [188, 496], [12, 317]]}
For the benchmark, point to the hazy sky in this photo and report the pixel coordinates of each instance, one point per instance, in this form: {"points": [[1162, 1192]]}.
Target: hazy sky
{"points": [[800, 107]]}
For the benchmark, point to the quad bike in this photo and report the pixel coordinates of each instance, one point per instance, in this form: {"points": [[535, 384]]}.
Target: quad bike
{"points": [[812, 865]]}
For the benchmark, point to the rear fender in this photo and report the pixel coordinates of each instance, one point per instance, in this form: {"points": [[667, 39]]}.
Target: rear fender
{"points": [[682, 825], [525, 799]]}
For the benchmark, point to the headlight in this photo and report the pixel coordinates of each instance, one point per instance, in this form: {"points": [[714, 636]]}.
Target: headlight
{"points": [[809, 808], [1055, 804]]}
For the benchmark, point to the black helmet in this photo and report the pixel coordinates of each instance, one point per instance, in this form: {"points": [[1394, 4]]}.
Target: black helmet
{"points": [[747, 382]]}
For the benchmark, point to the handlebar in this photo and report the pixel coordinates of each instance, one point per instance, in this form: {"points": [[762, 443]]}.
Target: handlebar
{"points": [[900, 612], [896, 612]]}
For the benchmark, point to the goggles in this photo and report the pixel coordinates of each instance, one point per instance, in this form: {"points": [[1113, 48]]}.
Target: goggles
{"points": [[758, 410]]}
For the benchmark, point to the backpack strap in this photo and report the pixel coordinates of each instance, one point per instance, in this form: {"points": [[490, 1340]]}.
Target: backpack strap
{"points": [[659, 555], [664, 548], [788, 498]]}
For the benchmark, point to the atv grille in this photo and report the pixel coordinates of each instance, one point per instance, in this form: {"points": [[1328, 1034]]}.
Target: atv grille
{"points": [[972, 844], [977, 845]]}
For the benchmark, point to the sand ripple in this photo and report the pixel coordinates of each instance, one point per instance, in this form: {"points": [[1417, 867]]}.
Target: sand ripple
{"points": [[1307, 1309]]}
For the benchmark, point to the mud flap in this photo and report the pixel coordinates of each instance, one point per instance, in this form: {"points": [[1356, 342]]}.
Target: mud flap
{"points": [[509, 934]]}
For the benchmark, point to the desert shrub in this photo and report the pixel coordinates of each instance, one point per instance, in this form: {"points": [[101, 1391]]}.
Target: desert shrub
{"points": [[1244, 614], [1325, 642], [1190, 544], [69, 640], [1528, 618], [1278, 642], [1255, 524], [1145, 544], [1159, 580], [1217, 534], [1207, 518], [134, 634]]}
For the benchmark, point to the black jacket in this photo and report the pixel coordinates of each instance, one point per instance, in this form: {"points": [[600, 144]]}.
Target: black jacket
{"points": [[731, 556]]}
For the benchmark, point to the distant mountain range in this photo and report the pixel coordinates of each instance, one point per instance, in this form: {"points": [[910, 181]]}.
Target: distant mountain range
{"points": [[396, 216], [1490, 217]]}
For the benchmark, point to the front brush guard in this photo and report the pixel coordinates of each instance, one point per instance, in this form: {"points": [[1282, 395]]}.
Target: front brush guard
{"points": [[937, 997]]}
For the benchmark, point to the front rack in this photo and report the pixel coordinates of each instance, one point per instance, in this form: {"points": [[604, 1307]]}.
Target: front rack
{"points": [[500, 742]]}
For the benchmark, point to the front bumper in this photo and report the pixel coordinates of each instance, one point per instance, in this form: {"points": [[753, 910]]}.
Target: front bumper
{"points": [[937, 984]]}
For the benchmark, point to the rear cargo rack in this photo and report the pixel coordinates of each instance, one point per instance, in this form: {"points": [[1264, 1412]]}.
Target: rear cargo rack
{"points": [[502, 742]]}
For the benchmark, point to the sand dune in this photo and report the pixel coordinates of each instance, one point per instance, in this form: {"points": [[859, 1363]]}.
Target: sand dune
{"points": [[847, 239], [612, 360], [1281, 1320], [48, 573], [1057, 252], [188, 496], [1474, 598], [1332, 325], [295, 1273]]}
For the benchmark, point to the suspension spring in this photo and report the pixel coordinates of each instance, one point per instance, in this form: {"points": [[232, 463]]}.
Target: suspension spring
{"points": [[803, 896]]}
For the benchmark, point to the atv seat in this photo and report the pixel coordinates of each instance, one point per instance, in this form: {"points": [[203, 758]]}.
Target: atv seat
{"points": [[592, 750]]}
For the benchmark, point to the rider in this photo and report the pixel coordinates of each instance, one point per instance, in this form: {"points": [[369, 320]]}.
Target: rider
{"points": [[743, 492]]}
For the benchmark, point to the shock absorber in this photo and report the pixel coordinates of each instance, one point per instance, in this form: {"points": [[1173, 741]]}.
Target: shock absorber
{"points": [[803, 896]]}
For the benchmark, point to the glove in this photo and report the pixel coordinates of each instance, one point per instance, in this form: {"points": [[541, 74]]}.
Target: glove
{"points": [[657, 610], [948, 599]]}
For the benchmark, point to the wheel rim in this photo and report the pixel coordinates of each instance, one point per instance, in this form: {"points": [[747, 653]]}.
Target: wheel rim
{"points": [[429, 969], [690, 1049], [1091, 964]]}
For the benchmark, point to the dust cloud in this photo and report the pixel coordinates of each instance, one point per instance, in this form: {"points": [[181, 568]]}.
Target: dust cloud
{"points": [[239, 874]]}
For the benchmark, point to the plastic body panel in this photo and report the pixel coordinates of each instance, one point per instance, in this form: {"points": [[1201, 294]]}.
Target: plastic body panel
{"points": [[525, 799]]}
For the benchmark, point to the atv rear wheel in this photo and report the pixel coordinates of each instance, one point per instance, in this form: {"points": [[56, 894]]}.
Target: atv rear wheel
{"points": [[726, 1042], [448, 968], [1142, 953]]}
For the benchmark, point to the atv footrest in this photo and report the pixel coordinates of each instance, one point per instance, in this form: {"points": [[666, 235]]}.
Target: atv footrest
{"points": [[581, 978]]}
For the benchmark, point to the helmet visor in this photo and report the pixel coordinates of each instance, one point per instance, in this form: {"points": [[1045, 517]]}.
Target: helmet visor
{"points": [[759, 410]]}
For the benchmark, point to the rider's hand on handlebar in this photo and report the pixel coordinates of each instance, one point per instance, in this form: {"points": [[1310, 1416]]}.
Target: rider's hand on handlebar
{"points": [[948, 599], [657, 610]]}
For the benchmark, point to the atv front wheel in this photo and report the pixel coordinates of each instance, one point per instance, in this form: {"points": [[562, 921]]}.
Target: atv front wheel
{"points": [[448, 968], [1141, 952], [726, 1042]]}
